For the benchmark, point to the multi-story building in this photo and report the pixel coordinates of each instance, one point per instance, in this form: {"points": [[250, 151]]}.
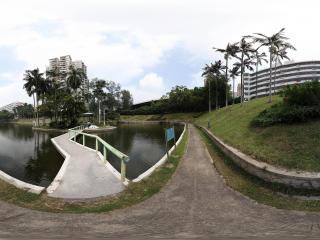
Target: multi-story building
{"points": [[62, 66], [287, 74]]}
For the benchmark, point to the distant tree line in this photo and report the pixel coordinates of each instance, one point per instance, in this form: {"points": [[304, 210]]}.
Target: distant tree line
{"points": [[63, 101]]}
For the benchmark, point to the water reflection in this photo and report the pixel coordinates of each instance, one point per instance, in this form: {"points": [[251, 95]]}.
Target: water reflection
{"points": [[27, 155], [143, 143]]}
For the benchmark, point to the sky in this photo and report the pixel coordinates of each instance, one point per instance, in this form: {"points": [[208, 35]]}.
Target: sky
{"points": [[147, 46]]}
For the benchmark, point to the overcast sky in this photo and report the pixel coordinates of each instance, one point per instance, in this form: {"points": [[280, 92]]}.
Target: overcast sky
{"points": [[147, 46]]}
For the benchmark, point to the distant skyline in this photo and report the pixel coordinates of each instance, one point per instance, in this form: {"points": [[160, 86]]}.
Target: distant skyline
{"points": [[146, 46]]}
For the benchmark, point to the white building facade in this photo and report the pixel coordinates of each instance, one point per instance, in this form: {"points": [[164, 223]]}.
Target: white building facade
{"points": [[283, 75], [62, 66]]}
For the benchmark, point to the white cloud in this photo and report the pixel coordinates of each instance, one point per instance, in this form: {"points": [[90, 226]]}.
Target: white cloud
{"points": [[148, 30], [150, 87], [151, 80]]}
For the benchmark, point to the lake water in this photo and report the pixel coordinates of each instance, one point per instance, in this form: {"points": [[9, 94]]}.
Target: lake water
{"points": [[31, 157]]}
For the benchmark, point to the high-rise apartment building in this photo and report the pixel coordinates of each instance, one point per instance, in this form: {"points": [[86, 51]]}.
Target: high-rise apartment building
{"points": [[62, 66], [258, 84]]}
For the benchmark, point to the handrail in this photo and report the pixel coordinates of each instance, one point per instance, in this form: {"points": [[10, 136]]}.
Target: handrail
{"points": [[106, 146]]}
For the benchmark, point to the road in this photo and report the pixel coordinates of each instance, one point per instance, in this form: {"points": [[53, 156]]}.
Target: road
{"points": [[195, 203]]}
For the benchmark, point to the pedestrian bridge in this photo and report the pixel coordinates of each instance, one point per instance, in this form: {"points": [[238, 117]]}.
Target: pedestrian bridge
{"points": [[86, 173]]}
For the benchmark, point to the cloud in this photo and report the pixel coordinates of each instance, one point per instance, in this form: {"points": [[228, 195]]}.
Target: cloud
{"points": [[151, 81], [150, 87]]}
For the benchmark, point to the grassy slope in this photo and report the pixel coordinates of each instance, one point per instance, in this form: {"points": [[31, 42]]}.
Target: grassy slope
{"points": [[157, 117], [290, 146]]}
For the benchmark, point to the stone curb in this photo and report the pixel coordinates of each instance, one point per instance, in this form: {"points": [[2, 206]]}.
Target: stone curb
{"points": [[265, 171]]}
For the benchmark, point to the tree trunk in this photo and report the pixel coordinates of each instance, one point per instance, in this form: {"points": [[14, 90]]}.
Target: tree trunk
{"points": [[227, 81], [270, 77], [99, 111], [274, 79], [257, 79], [209, 95], [38, 122], [233, 91], [217, 94], [242, 85], [34, 112]]}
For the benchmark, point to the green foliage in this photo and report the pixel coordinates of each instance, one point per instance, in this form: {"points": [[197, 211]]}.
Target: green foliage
{"points": [[5, 115], [305, 94], [300, 104], [24, 111]]}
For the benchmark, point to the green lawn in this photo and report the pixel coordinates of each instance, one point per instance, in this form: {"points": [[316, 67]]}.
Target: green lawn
{"points": [[162, 117], [293, 146]]}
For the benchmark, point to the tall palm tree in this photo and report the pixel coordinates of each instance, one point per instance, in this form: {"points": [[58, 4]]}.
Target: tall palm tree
{"points": [[213, 70], [278, 56], [99, 94], [245, 50], [275, 41], [234, 72], [53, 77], [258, 58], [75, 77], [229, 51], [33, 84]]}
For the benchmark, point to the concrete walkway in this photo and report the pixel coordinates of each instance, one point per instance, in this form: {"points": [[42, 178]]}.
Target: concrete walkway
{"points": [[195, 203], [86, 176]]}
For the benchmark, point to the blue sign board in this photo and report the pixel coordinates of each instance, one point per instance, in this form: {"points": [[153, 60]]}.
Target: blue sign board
{"points": [[169, 134]]}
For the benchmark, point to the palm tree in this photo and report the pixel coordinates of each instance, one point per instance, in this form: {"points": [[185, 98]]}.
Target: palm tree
{"points": [[99, 93], [258, 58], [229, 51], [278, 56], [33, 84], [245, 50], [53, 76], [234, 72], [75, 77], [275, 41], [213, 70]]}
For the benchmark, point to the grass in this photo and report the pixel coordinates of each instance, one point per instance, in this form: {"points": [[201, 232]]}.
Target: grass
{"points": [[134, 193], [190, 117], [294, 147], [257, 189]]}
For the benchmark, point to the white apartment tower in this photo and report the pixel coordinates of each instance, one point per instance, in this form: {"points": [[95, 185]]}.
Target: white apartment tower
{"points": [[62, 65], [257, 85]]}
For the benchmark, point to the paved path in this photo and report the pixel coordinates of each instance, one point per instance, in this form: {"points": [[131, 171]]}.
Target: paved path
{"points": [[86, 176], [195, 203]]}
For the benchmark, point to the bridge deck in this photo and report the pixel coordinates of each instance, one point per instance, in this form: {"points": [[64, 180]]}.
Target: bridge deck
{"points": [[86, 176]]}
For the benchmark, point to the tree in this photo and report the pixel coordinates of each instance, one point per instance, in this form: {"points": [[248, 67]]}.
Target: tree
{"points": [[234, 72], [33, 87], [126, 100], [53, 77], [229, 51], [257, 59], [275, 41], [98, 93], [212, 70], [75, 77], [245, 50], [278, 56]]}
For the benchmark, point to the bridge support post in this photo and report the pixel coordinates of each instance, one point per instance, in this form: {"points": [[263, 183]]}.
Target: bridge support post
{"points": [[123, 170], [105, 153], [97, 145]]}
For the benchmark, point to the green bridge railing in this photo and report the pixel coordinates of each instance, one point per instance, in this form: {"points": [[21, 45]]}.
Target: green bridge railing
{"points": [[74, 132]]}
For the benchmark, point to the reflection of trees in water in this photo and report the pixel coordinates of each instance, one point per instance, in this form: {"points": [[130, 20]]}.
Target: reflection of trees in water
{"points": [[46, 161], [16, 132]]}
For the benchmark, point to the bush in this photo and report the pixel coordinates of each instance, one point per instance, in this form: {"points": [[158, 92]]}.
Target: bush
{"points": [[300, 104]]}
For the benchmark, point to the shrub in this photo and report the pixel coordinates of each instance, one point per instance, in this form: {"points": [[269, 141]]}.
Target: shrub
{"points": [[300, 104]]}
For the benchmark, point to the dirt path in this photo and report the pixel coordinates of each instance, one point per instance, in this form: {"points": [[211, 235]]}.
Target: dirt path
{"points": [[195, 203]]}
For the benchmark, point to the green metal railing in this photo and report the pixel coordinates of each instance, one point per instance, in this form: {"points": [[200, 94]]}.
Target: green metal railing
{"points": [[74, 132]]}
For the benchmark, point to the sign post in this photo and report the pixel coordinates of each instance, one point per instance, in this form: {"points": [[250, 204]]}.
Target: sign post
{"points": [[169, 135]]}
